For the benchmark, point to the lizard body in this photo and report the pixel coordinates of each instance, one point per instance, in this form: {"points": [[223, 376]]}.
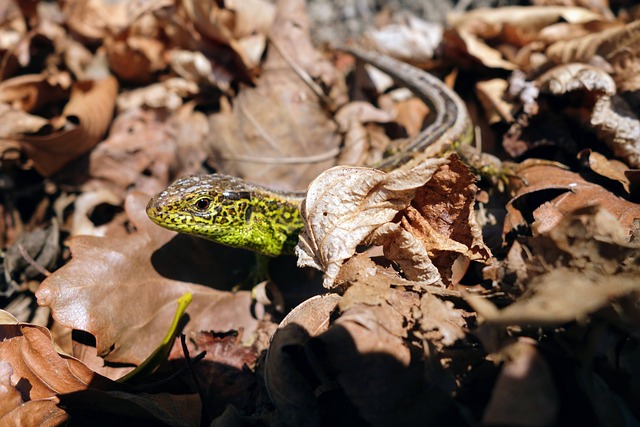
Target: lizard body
{"points": [[233, 212]]}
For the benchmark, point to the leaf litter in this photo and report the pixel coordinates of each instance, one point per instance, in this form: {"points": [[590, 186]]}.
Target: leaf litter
{"points": [[486, 289]]}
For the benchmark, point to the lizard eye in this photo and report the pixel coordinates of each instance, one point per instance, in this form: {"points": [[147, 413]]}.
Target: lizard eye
{"points": [[203, 204]]}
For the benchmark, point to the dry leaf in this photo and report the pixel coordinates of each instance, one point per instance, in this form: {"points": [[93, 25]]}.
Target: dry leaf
{"points": [[525, 393], [84, 121], [551, 193], [351, 119], [611, 169], [582, 264], [114, 289], [442, 217], [491, 94], [345, 205], [411, 39], [278, 132], [619, 46]]}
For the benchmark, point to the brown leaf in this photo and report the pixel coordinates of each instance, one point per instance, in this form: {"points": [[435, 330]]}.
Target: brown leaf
{"points": [[551, 193], [117, 289], [524, 375], [278, 133], [442, 217], [582, 264], [142, 151], [611, 169], [85, 119]]}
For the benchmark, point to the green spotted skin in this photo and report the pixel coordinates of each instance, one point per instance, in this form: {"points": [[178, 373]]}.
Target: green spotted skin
{"points": [[235, 213], [230, 211]]}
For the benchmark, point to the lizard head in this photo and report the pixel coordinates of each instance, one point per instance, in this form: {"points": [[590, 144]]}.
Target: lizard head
{"points": [[226, 210], [209, 206]]}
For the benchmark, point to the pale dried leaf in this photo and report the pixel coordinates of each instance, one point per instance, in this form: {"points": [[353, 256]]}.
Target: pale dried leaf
{"points": [[344, 205], [7, 318], [572, 77], [411, 39], [489, 23], [10, 398], [167, 94], [279, 133], [197, 68], [440, 322], [408, 252], [612, 169], [491, 94], [619, 126], [619, 45], [84, 205], [611, 118], [351, 119]]}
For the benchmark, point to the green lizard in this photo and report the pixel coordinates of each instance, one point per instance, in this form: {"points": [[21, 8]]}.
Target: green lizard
{"points": [[233, 212]]}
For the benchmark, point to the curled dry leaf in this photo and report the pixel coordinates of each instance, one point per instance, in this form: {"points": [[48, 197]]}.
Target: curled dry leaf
{"points": [[551, 193], [84, 121], [38, 379], [352, 118], [345, 205], [232, 23], [118, 290], [611, 169], [619, 45], [611, 117]]}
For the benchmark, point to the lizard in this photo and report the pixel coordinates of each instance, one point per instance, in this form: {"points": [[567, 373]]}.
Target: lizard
{"points": [[236, 213]]}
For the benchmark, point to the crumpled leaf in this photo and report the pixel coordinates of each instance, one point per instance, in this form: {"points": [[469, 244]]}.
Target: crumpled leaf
{"points": [[232, 23], [345, 205], [45, 379], [442, 217], [113, 289], [356, 149], [370, 335], [582, 264], [516, 25], [607, 114]]}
